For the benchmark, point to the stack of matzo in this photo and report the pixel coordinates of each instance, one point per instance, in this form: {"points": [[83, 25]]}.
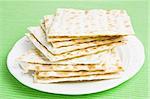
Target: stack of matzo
{"points": [[77, 45]]}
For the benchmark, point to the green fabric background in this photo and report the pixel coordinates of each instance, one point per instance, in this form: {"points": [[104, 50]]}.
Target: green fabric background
{"points": [[16, 16]]}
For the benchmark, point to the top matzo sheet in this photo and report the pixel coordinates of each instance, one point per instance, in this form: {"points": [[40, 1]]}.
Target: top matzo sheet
{"points": [[74, 22]]}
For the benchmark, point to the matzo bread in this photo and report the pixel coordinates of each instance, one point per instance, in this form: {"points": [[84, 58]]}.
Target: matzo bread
{"points": [[104, 66], [34, 56], [41, 37], [77, 79], [60, 42], [73, 74], [81, 41], [105, 61], [42, 25], [74, 22], [74, 54], [46, 23], [70, 67]]}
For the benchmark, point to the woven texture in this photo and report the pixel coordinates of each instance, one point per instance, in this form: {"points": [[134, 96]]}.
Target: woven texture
{"points": [[15, 17]]}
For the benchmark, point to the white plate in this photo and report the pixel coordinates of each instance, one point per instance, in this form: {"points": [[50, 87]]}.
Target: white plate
{"points": [[132, 55]]}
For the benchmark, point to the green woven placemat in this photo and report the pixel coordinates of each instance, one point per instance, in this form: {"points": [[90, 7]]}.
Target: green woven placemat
{"points": [[16, 16]]}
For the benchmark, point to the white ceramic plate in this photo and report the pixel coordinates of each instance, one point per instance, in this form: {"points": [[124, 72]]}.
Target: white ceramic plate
{"points": [[132, 56]]}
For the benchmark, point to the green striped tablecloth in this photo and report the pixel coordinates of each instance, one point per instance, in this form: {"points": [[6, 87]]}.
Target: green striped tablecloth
{"points": [[16, 16]]}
